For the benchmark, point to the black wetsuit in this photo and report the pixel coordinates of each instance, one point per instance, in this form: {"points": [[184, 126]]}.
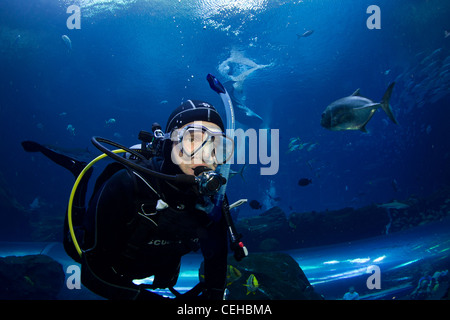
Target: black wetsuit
{"points": [[124, 237], [129, 239]]}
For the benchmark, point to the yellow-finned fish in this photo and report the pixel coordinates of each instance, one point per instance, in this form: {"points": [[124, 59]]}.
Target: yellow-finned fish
{"points": [[252, 284], [233, 274]]}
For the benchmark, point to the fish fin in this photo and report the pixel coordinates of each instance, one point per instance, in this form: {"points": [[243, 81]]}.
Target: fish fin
{"points": [[385, 103], [299, 36], [356, 93], [241, 172], [363, 127], [369, 106]]}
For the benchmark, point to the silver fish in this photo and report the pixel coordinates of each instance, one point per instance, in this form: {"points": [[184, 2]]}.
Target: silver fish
{"points": [[394, 205], [354, 112], [305, 34], [67, 42]]}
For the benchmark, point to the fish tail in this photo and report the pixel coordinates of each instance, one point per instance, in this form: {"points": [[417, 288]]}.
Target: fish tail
{"points": [[385, 103], [241, 172]]}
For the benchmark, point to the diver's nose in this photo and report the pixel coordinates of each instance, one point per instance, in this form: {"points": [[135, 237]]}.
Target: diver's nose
{"points": [[207, 153]]}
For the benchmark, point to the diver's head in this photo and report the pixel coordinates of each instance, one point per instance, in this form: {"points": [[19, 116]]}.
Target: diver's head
{"points": [[196, 130]]}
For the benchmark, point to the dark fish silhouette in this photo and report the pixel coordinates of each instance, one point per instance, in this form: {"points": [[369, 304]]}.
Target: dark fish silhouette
{"points": [[304, 182], [255, 205], [240, 172], [304, 35]]}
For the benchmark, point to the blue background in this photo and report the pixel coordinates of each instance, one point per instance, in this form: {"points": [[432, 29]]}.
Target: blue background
{"points": [[129, 57]]}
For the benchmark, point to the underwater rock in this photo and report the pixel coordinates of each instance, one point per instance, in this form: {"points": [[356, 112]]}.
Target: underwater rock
{"points": [[279, 278], [32, 277]]}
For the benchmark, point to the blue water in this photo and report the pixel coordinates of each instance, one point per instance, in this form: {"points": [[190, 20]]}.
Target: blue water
{"points": [[135, 61]]}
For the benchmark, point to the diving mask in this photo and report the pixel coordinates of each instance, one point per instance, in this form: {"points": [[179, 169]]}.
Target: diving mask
{"points": [[214, 145]]}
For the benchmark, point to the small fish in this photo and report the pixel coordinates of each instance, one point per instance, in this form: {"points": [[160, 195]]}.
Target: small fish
{"points": [[354, 112], [296, 144], [233, 274], [67, 42], [276, 198], [255, 204], [110, 121], [294, 141], [446, 34], [252, 284], [393, 205], [312, 146], [303, 182], [305, 34], [164, 102], [71, 129], [240, 172]]}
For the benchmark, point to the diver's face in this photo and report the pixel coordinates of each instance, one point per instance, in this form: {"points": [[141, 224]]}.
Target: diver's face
{"points": [[204, 157]]}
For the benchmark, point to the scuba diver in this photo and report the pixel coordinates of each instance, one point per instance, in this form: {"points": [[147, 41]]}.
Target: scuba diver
{"points": [[158, 202]]}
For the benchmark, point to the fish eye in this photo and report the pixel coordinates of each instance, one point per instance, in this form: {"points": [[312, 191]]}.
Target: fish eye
{"points": [[323, 114]]}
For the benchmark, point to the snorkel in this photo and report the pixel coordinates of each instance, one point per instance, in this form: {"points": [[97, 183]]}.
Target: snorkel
{"points": [[224, 169], [240, 251]]}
